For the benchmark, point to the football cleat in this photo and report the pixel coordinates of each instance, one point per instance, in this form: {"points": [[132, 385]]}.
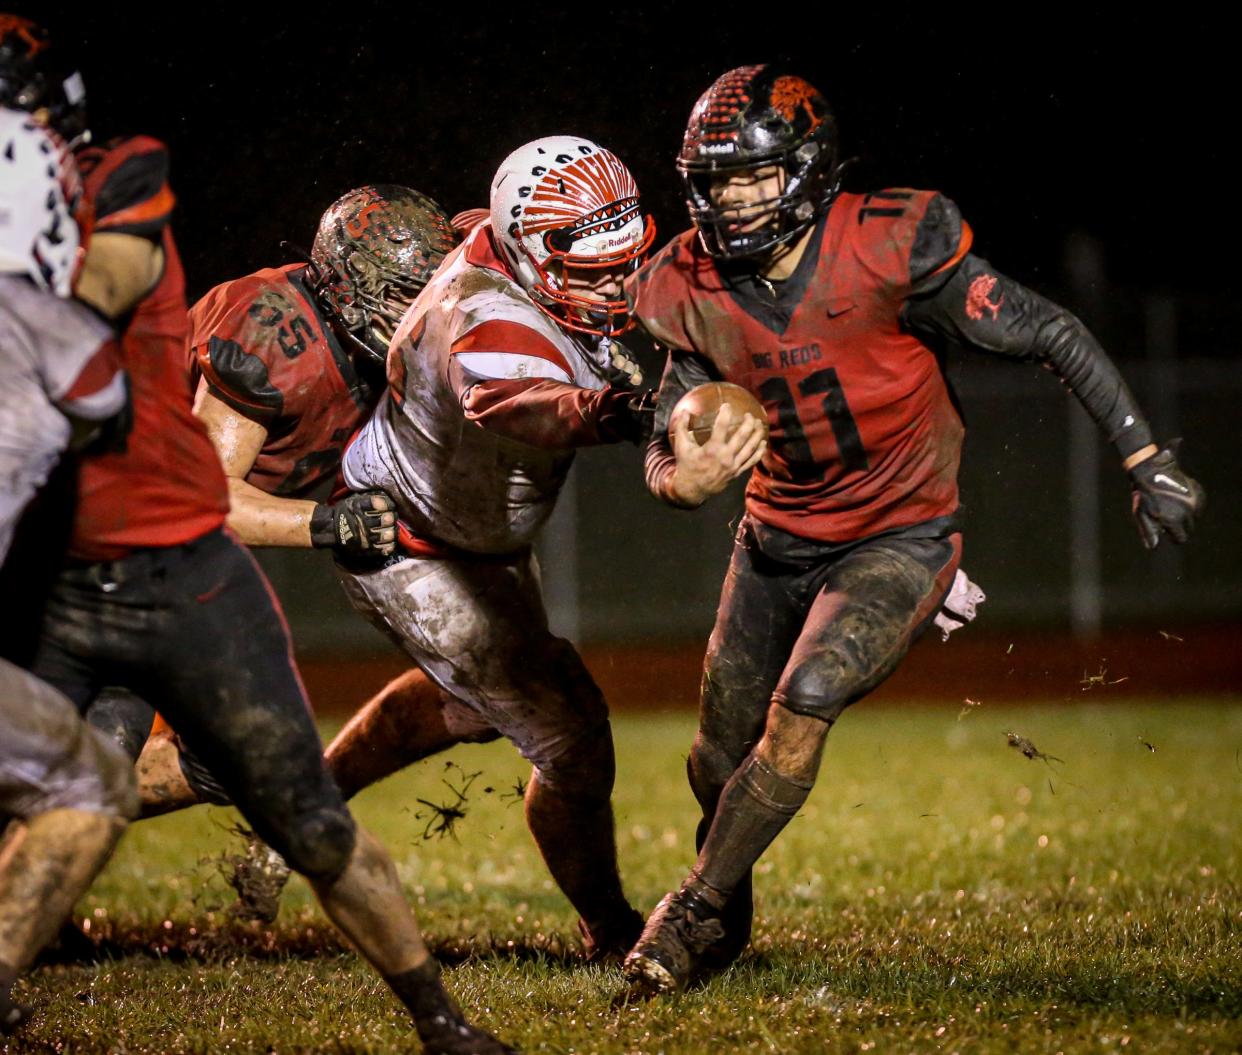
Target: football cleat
{"points": [[737, 918], [446, 1036], [671, 947]]}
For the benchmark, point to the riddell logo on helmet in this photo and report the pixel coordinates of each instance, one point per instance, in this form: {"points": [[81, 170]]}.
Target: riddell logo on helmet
{"points": [[622, 242], [718, 148]]}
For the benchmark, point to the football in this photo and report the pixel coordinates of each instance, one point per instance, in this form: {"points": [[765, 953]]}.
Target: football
{"points": [[703, 403]]}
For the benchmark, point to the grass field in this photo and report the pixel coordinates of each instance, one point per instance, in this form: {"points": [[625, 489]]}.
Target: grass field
{"points": [[939, 892]]}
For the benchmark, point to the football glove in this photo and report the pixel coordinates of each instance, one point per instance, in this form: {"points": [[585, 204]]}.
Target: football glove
{"points": [[1165, 500], [361, 524]]}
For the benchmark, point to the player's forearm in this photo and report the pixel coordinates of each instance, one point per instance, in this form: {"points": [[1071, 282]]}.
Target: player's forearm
{"points": [[662, 477], [987, 311], [548, 414], [260, 519]]}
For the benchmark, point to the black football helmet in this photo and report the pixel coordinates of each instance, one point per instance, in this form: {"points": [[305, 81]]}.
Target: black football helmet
{"points": [[375, 249], [752, 117], [34, 76]]}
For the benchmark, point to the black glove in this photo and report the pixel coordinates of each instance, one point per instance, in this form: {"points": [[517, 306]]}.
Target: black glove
{"points": [[361, 524], [1164, 498], [627, 415]]}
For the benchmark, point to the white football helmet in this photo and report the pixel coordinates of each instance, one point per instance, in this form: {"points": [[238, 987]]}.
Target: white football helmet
{"points": [[44, 214], [562, 204]]}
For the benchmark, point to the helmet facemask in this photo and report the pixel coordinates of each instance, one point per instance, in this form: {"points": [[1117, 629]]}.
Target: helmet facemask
{"points": [[563, 269], [733, 231]]}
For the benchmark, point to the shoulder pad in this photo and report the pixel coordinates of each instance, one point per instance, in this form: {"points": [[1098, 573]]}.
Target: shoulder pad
{"points": [[248, 337], [904, 235]]}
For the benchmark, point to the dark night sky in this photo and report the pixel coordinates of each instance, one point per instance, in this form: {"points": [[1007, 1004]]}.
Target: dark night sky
{"points": [[1118, 130]]}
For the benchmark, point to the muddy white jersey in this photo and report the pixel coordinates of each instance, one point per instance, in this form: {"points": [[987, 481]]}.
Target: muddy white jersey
{"points": [[453, 481], [54, 355]]}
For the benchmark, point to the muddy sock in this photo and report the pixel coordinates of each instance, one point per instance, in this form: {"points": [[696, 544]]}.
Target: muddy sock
{"points": [[420, 989], [754, 808]]}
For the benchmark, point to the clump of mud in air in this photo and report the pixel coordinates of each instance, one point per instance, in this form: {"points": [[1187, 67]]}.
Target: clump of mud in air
{"points": [[259, 875], [1021, 743]]}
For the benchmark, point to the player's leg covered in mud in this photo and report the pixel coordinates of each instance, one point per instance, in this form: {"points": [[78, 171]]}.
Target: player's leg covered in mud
{"points": [[409, 719], [479, 630], [72, 792], [241, 709], [858, 629], [762, 607], [873, 600]]}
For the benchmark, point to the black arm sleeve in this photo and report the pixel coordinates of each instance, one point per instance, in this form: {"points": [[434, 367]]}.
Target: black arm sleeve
{"points": [[683, 371], [979, 307]]}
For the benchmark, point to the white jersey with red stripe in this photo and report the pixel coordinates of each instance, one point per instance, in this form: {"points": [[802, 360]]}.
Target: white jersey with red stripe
{"points": [[453, 481], [56, 357]]}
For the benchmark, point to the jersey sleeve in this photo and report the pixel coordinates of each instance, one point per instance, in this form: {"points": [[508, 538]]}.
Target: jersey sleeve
{"points": [[128, 183], [499, 349], [246, 340], [549, 414], [80, 363], [979, 307]]}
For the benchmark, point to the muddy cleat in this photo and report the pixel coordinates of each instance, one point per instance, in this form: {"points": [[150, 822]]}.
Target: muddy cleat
{"points": [[682, 927], [737, 918], [259, 877], [445, 1035], [608, 943]]}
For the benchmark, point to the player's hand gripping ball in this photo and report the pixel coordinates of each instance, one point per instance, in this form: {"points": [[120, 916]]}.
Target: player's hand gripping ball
{"points": [[703, 403]]}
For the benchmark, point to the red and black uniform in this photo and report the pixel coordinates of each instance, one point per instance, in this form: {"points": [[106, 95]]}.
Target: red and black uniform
{"points": [[851, 540], [167, 487], [266, 351], [864, 435], [159, 599]]}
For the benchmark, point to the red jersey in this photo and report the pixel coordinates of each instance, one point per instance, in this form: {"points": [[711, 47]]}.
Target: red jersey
{"points": [[167, 487], [264, 350], [864, 437]]}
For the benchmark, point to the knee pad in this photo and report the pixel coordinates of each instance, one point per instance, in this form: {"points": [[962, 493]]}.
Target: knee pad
{"points": [[582, 766], [826, 683], [318, 843]]}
